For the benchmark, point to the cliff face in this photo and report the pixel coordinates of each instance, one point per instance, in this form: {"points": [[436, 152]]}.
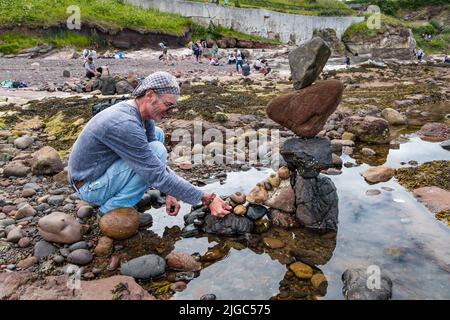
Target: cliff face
{"points": [[394, 42]]}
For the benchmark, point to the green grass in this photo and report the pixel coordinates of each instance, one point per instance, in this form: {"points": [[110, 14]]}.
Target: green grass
{"points": [[109, 14], [361, 31], [391, 7], [440, 42], [303, 7], [12, 42]]}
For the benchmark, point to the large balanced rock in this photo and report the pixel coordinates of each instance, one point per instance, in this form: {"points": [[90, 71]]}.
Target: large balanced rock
{"points": [[368, 129], [434, 132], [307, 61], [306, 111], [308, 156], [46, 161], [120, 223], [145, 267], [60, 227], [357, 283], [229, 225], [317, 203]]}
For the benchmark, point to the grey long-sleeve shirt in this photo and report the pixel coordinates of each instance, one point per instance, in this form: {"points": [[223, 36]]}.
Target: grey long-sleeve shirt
{"points": [[118, 132]]}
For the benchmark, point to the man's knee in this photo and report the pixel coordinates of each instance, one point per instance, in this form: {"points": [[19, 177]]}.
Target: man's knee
{"points": [[159, 133], [160, 150]]}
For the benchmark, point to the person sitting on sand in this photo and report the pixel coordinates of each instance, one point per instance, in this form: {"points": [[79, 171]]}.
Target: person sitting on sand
{"points": [[91, 71], [120, 154], [215, 61], [231, 58]]}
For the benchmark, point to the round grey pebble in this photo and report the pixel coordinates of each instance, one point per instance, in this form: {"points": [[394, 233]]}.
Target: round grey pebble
{"points": [[209, 296], [58, 259], [80, 257], [79, 245], [64, 252], [11, 266]]}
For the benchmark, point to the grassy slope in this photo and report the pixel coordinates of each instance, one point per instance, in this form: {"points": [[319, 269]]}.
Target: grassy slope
{"points": [[304, 7]]}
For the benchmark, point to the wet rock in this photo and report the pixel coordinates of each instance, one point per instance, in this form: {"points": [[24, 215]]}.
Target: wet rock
{"points": [[145, 267], [199, 213], [145, 220], [394, 117], [16, 169], [80, 257], [104, 247], [27, 262], [85, 212], [282, 219], [348, 136], [191, 230], [257, 194], [320, 283], [307, 61], [79, 245], [446, 145], [15, 235], [333, 172], [368, 129], [284, 173], [367, 152], [273, 243], [43, 249], [317, 202], [229, 225], [46, 161], [307, 156], [378, 174], [209, 296], [238, 198], [120, 223], [434, 132], [256, 211], [66, 73], [336, 160], [282, 199], [373, 192], [56, 200], [306, 111], [58, 259], [301, 270], [182, 261], [355, 286], [23, 142], [60, 228], [434, 198], [24, 210]]}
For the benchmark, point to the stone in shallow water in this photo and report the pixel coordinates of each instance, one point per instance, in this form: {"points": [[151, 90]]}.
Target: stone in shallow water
{"points": [[273, 243], [229, 225], [145, 220], [191, 230], [145, 267], [307, 61], [378, 174], [317, 202], [182, 261], [199, 213], [308, 156], [301, 270], [373, 192], [306, 111], [355, 286], [282, 219], [256, 211], [446, 145]]}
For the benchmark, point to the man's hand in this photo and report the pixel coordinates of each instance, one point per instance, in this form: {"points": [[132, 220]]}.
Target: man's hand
{"points": [[172, 206], [219, 208]]}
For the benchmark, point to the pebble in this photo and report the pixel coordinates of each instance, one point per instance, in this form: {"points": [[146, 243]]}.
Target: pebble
{"points": [[55, 200], [27, 262], [333, 171], [11, 266], [190, 230], [368, 152], [113, 264], [32, 185], [42, 207], [27, 193], [145, 220], [104, 246], [64, 252], [209, 296], [145, 267], [373, 192], [24, 210], [58, 259], [80, 257], [24, 242], [301, 270], [388, 189], [43, 249], [15, 235], [178, 286], [78, 245], [273, 243], [85, 212]]}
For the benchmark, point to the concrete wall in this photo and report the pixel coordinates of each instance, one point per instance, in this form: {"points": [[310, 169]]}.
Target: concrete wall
{"points": [[264, 23]]}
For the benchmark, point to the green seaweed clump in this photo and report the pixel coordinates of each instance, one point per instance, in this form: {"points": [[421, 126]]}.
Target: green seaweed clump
{"points": [[434, 173]]}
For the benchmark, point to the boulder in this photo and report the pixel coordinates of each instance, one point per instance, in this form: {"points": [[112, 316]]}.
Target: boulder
{"points": [[378, 174], [434, 132], [23, 142], [317, 203], [393, 117], [333, 42], [368, 129], [60, 228], [434, 198], [306, 111], [307, 61], [356, 286], [46, 161], [16, 168], [120, 223], [229, 225], [307, 156]]}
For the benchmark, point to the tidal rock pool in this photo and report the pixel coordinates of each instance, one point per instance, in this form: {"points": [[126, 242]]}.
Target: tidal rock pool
{"points": [[388, 229]]}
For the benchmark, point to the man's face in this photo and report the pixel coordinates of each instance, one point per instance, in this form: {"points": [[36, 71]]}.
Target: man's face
{"points": [[159, 107]]}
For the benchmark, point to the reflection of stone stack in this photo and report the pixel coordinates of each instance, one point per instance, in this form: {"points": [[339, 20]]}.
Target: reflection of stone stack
{"points": [[305, 112]]}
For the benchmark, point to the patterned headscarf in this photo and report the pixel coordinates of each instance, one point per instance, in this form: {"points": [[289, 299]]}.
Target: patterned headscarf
{"points": [[161, 82]]}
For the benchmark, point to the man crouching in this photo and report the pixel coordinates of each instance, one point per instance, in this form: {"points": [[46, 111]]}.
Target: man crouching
{"points": [[120, 154]]}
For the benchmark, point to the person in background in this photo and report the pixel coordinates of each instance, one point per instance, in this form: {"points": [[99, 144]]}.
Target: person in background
{"points": [[196, 50], [347, 60], [215, 61], [239, 59], [446, 59], [265, 69], [245, 68], [257, 65], [164, 48], [420, 54], [215, 50], [91, 71]]}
